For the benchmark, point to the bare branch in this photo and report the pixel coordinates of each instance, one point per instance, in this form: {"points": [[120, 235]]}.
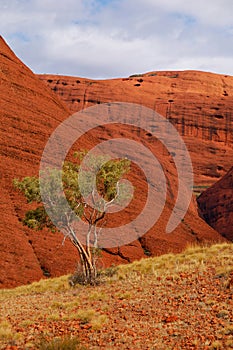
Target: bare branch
{"points": [[99, 217], [92, 196], [65, 236], [88, 220]]}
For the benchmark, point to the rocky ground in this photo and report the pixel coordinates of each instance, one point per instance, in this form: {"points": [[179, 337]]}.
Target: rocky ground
{"points": [[180, 301]]}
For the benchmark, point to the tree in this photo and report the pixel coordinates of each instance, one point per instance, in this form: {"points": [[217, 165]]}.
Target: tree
{"points": [[88, 202]]}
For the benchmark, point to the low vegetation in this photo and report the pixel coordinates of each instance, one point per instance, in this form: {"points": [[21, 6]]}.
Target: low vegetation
{"points": [[83, 189], [65, 343], [181, 301]]}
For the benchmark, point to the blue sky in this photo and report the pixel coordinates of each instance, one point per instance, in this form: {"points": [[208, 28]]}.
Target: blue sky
{"points": [[116, 38]]}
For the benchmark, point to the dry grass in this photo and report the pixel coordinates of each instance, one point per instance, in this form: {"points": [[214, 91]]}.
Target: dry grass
{"points": [[168, 302], [194, 257], [98, 296], [65, 343], [98, 322], [45, 285], [84, 316], [7, 333]]}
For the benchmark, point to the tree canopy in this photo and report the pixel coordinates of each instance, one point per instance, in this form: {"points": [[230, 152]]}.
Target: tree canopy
{"points": [[98, 180]]}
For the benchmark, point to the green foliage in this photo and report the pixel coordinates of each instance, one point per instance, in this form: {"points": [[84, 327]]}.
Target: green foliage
{"points": [[79, 155], [54, 181], [90, 167], [37, 219], [30, 187], [64, 194], [109, 175]]}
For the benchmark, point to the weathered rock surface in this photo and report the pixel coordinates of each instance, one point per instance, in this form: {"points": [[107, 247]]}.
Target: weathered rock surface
{"points": [[216, 205], [199, 104], [29, 113]]}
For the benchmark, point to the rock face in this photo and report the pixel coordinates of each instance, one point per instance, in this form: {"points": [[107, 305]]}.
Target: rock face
{"points": [[216, 205], [199, 104], [29, 113]]}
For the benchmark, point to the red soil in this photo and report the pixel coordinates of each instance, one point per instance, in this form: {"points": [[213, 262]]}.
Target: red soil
{"points": [[30, 112]]}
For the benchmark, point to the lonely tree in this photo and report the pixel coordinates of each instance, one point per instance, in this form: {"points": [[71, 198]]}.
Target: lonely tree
{"points": [[88, 202]]}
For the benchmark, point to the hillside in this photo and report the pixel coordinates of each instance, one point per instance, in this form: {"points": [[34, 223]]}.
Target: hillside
{"points": [[216, 205], [182, 301], [29, 113], [199, 104]]}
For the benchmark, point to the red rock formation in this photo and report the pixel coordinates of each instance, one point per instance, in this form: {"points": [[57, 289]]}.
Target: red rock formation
{"points": [[199, 104], [29, 113], [216, 205]]}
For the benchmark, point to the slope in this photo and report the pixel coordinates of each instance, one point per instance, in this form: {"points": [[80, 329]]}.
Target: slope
{"points": [[216, 205], [169, 302], [199, 104], [29, 113]]}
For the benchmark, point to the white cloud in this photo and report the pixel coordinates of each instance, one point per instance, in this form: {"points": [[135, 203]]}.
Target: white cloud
{"points": [[85, 38], [214, 12]]}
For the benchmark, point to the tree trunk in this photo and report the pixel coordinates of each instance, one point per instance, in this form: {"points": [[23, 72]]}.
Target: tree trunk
{"points": [[87, 263]]}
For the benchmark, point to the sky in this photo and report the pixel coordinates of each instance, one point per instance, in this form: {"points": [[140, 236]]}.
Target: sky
{"points": [[103, 39]]}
